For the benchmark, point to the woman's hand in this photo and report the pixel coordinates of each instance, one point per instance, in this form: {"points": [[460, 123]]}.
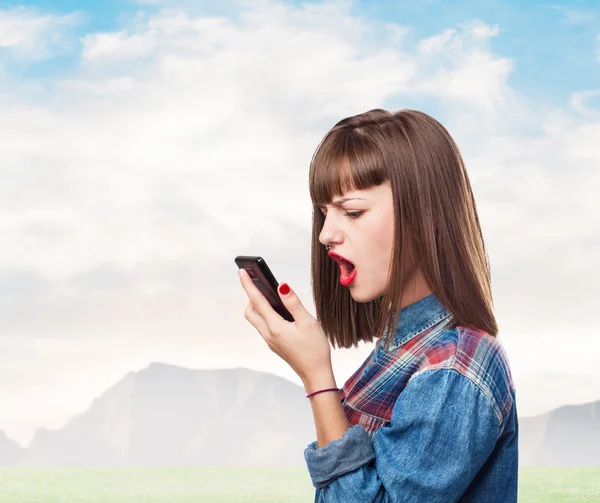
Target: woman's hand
{"points": [[301, 343]]}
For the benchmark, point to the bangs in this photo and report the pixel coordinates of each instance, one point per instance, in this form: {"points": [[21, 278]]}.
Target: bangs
{"points": [[345, 161]]}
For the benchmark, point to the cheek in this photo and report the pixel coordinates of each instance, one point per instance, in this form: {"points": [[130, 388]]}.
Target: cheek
{"points": [[380, 242], [383, 232]]}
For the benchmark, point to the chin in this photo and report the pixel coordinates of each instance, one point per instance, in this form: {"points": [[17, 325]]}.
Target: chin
{"points": [[362, 298]]}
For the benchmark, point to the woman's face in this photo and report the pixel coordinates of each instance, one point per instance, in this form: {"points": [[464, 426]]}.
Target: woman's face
{"points": [[366, 241]]}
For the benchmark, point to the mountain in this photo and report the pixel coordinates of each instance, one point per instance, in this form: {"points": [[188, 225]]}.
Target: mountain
{"points": [[540, 391], [10, 450], [166, 415], [566, 436]]}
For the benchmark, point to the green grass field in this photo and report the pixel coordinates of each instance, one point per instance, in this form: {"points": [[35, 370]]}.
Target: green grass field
{"points": [[237, 485]]}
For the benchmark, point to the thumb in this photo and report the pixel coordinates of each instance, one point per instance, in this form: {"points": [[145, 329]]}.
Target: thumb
{"points": [[291, 301]]}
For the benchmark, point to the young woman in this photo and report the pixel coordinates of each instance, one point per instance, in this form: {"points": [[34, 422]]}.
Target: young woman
{"points": [[430, 416]]}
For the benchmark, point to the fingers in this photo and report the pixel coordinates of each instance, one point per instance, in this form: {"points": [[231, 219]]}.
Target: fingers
{"points": [[257, 321], [271, 319]]}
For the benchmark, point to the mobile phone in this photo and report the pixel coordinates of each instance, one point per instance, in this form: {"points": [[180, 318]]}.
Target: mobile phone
{"points": [[263, 278]]}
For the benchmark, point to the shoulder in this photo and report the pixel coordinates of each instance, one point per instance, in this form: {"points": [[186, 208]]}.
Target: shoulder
{"points": [[479, 357]]}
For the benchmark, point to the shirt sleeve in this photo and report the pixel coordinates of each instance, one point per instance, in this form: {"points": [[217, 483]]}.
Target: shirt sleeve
{"points": [[442, 430]]}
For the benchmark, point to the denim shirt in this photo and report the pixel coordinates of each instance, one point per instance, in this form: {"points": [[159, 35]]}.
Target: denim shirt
{"points": [[433, 419]]}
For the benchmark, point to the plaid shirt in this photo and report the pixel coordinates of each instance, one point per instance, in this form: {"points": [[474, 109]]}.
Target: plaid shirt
{"points": [[433, 419]]}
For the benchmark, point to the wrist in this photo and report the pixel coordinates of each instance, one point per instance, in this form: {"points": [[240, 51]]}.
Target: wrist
{"points": [[323, 391], [318, 382]]}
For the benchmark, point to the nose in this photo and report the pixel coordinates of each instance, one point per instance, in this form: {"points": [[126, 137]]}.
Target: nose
{"points": [[329, 234]]}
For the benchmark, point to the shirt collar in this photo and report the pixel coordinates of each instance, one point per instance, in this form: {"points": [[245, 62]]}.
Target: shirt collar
{"points": [[418, 317]]}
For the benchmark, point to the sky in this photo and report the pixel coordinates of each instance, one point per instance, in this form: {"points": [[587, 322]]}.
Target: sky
{"points": [[145, 144]]}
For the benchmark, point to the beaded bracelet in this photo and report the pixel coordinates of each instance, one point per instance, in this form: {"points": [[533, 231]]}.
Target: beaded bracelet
{"points": [[321, 391]]}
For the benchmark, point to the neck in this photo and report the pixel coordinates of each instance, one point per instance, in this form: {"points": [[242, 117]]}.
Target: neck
{"points": [[416, 290]]}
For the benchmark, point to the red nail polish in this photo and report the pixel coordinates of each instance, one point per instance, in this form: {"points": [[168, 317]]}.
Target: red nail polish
{"points": [[284, 289]]}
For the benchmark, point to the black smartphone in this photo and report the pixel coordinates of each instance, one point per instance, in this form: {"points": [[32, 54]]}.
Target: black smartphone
{"points": [[263, 278]]}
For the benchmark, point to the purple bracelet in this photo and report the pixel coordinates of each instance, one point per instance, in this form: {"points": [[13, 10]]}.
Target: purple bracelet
{"points": [[321, 391]]}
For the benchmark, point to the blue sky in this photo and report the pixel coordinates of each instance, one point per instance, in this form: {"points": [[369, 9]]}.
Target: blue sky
{"points": [[554, 45]]}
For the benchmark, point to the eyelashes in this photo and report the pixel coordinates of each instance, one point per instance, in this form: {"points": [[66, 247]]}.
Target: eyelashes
{"points": [[350, 214]]}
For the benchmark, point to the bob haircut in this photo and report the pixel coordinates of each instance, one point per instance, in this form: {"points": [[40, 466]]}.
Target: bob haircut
{"points": [[437, 229]]}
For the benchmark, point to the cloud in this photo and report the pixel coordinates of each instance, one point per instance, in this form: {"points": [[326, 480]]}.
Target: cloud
{"points": [[437, 43], [462, 68], [179, 134], [153, 151], [133, 158], [180, 141], [473, 34], [31, 35], [579, 102]]}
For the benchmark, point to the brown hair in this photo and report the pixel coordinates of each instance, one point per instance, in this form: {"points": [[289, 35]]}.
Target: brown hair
{"points": [[435, 221]]}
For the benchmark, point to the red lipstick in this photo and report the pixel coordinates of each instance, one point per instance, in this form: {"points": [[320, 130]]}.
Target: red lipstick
{"points": [[347, 268]]}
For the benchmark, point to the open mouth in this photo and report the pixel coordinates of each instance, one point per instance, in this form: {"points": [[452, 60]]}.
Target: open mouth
{"points": [[347, 269]]}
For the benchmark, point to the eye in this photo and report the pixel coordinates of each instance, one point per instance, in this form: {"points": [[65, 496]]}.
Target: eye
{"points": [[351, 214]]}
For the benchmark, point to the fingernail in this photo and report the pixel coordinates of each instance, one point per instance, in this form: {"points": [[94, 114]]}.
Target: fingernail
{"points": [[240, 272], [284, 289]]}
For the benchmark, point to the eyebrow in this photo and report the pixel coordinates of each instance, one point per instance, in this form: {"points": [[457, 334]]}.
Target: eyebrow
{"points": [[341, 201]]}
